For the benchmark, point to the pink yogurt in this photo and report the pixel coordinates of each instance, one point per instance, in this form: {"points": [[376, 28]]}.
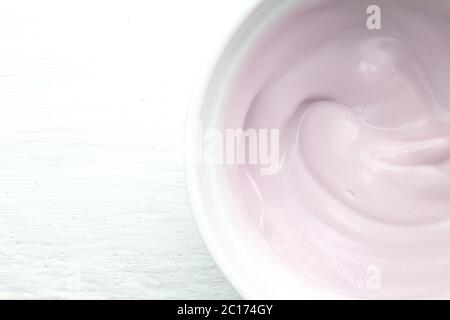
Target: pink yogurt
{"points": [[360, 202]]}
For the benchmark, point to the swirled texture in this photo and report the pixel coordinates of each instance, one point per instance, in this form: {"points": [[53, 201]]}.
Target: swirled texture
{"points": [[362, 201]]}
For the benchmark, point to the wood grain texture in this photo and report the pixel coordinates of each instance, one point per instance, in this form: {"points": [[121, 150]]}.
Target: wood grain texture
{"points": [[93, 97]]}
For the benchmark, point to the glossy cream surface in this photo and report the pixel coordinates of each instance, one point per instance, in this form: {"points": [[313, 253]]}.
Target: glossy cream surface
{"points": [[361, 203]]}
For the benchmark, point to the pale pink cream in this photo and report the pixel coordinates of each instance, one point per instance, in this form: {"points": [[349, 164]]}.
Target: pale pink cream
{"points": [[364, 120]]}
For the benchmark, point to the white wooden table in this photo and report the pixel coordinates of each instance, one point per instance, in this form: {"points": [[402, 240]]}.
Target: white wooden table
{"points": [[93, 98]]}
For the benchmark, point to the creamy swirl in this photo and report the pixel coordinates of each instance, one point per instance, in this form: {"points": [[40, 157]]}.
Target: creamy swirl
{"points": [[364, 122]]}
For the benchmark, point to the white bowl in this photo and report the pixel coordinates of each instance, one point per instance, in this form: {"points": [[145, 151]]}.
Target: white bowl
{"points": [[243, 256]]}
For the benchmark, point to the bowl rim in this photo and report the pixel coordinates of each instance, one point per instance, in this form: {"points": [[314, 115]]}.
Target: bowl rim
{"points": [[194, 110]]}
